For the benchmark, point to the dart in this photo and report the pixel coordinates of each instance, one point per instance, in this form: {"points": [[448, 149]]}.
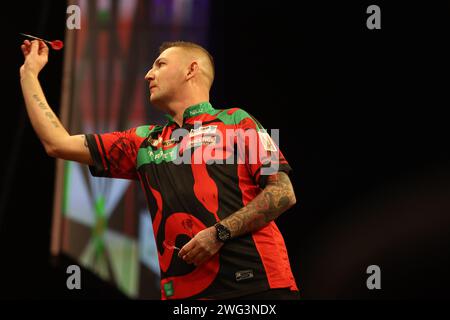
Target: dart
{"points": [[55, 44]]}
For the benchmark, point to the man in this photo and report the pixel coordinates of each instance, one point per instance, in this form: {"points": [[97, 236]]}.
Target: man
{"points": [[213, 215]]}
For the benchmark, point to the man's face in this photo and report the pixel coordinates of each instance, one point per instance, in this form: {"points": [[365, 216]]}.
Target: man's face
{"points": [[166, 76]]}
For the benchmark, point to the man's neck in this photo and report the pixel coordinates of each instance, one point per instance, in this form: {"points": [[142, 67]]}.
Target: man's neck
{"points": [[177, 108]]}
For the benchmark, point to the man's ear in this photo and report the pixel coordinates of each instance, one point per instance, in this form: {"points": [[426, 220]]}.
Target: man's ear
{"points": [[192, 70]]}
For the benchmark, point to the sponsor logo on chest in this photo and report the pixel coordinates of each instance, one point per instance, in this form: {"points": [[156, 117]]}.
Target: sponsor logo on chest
{"points": [[202, 136], [203, 130]]}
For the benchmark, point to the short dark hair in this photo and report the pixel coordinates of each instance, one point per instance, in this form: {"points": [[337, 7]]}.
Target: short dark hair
{"points": [[186, 44]]}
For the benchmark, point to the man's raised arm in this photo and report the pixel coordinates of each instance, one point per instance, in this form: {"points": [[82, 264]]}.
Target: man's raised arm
{"points": [[57, 141]]}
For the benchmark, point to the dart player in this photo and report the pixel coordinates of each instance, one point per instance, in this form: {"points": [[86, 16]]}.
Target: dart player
{"points": [[213, 220]]}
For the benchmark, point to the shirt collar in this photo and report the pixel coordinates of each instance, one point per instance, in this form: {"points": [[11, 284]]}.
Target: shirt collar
{"points": [[192, 111]]}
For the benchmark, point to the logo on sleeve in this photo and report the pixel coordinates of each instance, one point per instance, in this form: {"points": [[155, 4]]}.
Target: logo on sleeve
{"points": [[267, 141]]}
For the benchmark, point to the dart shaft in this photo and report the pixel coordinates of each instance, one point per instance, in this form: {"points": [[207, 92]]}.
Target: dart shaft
{"points": [[33, 37]]}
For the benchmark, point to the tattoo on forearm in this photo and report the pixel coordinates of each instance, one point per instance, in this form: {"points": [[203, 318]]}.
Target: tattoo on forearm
{"points": [[48, 114], [40, 103], [277, 197]]}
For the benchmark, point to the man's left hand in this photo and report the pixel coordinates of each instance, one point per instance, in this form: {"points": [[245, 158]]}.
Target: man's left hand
{"points": [[201, 248]]}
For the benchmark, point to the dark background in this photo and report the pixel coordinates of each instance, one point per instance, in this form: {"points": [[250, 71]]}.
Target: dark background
{"points": [[362, 122]]}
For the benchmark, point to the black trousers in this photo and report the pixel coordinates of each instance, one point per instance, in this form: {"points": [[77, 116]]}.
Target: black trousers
{"points": [[273, 294]]}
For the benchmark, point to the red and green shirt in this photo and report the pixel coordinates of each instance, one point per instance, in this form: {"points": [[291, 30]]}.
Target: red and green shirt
{"points": [[193, 177]]}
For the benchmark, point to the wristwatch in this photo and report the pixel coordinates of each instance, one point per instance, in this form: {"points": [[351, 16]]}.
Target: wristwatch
{"points": [[223, 234]]}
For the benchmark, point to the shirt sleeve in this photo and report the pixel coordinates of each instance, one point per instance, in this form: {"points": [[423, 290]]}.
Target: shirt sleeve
{"points": [[114, 154], [262, 154]]}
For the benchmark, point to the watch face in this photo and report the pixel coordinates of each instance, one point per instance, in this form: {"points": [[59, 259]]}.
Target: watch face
{"points": [[222, 233]]}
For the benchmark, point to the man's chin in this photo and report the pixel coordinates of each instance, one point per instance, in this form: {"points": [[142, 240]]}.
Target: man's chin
{"points": [[157, 103]]}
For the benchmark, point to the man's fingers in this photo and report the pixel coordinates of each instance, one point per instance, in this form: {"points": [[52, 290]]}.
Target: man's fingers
{"points": [[24, 50], [43, 48], [186, 248], [34, 46], [25, 47], [191, 254]]}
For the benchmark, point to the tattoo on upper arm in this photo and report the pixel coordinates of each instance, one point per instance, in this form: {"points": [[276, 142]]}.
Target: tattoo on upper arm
{"points": [[281, 179], [272, 179]]}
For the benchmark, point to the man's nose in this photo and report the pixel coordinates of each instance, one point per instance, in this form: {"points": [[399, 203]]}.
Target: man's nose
{"points": [[149, 76]]}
